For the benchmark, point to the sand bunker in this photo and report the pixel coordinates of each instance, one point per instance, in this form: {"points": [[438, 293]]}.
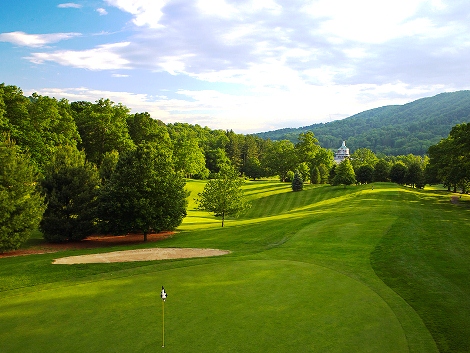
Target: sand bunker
{"points": [[140, 255]]}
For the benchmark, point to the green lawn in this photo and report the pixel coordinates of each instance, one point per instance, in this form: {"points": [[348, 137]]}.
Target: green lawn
{"points": [[328, 269]]}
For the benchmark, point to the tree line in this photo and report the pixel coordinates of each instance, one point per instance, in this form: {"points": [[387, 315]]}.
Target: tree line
{"points": [[77, 168]]}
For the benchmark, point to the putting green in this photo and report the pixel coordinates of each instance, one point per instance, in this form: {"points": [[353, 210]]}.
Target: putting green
{"points": [[222, 306]]}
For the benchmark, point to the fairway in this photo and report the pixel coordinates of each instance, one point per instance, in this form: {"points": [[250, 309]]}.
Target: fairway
{"points": [[307, 272]]}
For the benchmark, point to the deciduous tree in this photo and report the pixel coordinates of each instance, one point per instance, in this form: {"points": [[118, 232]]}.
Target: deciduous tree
{"points": [[223, 196], [344, 174]]}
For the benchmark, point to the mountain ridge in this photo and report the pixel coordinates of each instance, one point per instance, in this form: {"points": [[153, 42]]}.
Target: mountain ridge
{"points": [[393, 129]]}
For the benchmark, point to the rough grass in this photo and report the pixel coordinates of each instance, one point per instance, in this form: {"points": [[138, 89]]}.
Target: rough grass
{"points": [[306, 274]]}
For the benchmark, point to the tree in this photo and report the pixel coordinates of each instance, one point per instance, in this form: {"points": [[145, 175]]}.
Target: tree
{"points": [[38, 124], [414, 175], [450, 158], [363, 156], [315, 177], [381, 170], [102, 127], [253, 168], [307, 147], [21, 204], [297, 182], [344, 174], [324, 161], [365, 174], [188, 157], [223, 196], [281, 158], [144, 193], [143, 128], [398, 172], [71, 188]]}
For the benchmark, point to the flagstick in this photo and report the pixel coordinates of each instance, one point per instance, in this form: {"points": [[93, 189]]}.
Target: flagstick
{"points": [[163, 327]]}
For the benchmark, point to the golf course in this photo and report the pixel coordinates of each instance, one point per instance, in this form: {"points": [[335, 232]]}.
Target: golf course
{"points": [[328, 269]]}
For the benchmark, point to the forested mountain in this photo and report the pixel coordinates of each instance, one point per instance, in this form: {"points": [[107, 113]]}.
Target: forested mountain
{"points": [[392, 130]]}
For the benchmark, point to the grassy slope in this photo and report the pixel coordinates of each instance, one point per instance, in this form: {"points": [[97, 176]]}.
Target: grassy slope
{"points": [[299, 279]]}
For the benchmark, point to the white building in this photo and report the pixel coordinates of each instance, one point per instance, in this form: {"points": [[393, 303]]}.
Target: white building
{"points": [[342, 153]]}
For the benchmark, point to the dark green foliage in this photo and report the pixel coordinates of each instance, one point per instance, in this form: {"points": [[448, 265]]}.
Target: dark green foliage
{"points": [[21, 204], [223, 196], [315, 177], [450, 159], [253, 168], [144, 193], [382, 171], [414, 175], [108, 165], [344, 174], [398, 172], [71, 186], [297, 182], [392, 130], [365, 174], [142, 128]]}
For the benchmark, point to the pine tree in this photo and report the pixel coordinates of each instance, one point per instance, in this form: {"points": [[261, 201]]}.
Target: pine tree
{"points": [[21, 204], [71, 186], [297, 182]]}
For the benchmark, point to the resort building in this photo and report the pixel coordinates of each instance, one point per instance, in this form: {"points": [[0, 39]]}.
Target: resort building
{"points": [[342, 153]]}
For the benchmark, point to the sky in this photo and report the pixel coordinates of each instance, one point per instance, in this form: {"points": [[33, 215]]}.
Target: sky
{"points": [[246, 65]]}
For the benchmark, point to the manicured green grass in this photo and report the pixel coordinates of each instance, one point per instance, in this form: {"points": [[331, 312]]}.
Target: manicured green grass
{"points": [[328, 269]]}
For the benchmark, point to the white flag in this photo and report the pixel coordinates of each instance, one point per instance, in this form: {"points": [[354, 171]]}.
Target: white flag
{"points": [[163, 294]]}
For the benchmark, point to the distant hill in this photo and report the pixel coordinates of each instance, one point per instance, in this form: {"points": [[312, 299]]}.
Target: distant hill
{"points": [[393, 129]]}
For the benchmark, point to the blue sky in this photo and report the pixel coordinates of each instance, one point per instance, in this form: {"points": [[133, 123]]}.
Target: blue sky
{"points": [[246, 65]]}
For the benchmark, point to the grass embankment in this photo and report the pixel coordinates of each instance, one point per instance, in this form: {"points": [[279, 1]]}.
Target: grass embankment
{"points": [[300, 278]]}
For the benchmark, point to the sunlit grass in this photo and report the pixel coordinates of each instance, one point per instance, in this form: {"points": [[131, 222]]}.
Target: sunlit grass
{"points": [[306, 273]]}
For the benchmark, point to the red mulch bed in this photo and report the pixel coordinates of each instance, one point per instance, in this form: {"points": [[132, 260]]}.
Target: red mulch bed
{"points": [[96, 241]]}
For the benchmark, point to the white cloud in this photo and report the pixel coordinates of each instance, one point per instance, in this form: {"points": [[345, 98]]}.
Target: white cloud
{"points": [[69, 5], [35, 40], [102, 11], [103, 57], [146, 12]]}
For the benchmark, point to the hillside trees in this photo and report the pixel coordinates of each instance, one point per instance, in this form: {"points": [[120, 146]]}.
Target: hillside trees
{"points": [[71, 187], [223, 196], [144, 193], [21, 204]]}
